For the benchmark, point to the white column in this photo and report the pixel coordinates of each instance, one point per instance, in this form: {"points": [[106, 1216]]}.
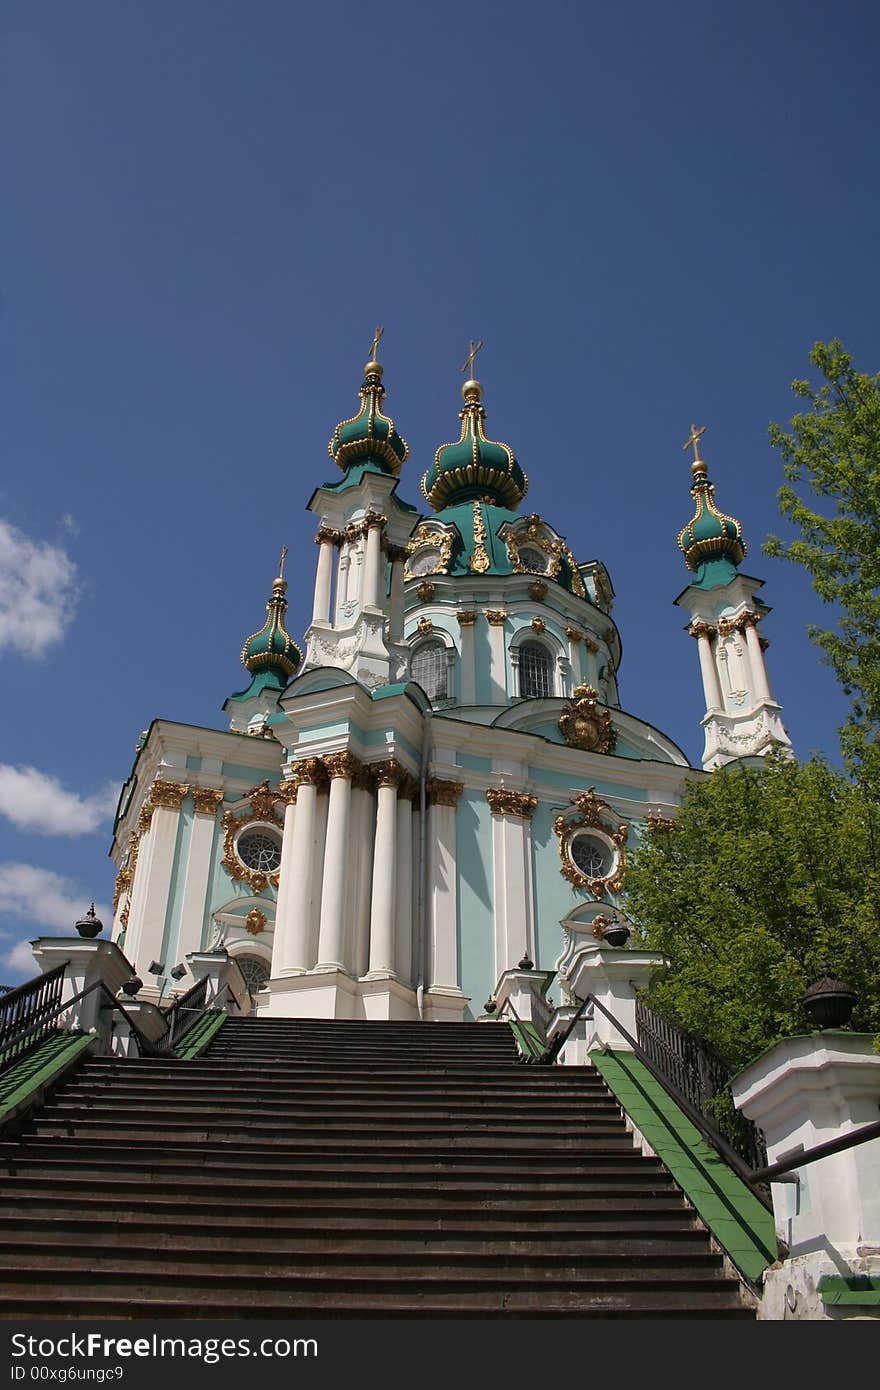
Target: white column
{"points": [[363, 879], [513, 894], [395, 630], [405, 920], [373, 563], [198, 870], [383, 917], [592, 664], [443, 972], [466, 621], [342, 573], [331, 936], [574, 655], [324, 578], [708, 669], [281, 941], [756, 661], [152, 882], [497, 664], [294, 950]]}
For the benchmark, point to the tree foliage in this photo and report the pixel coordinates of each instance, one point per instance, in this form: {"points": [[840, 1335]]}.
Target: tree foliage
{"points": [[834, 449], [768, 871]]}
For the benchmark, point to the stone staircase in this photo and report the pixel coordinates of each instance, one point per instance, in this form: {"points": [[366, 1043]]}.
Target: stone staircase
{"points": [[317, 1169]]}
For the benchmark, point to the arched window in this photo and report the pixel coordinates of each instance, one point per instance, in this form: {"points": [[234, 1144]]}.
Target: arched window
{"points": [[428, 669], [535, 671]]}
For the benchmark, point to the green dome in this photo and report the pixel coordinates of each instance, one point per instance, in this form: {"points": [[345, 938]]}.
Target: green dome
{"points": [[272, 649], [474, 467], [369, 437], [710, 535], [479, 548]]}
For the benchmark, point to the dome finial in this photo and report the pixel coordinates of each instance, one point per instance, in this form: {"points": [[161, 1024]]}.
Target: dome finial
{"points": [[472, 390], [710, 534], [272, 648], [693, 441], [369, 438], [374, 366]]}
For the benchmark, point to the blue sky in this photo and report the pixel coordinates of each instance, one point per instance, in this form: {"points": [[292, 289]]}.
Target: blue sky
{"points": [[648, 213]]}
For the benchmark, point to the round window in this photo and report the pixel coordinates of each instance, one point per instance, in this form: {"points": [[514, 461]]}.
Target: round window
{"points": [[591, 856], [255, 972], [259, 849]]}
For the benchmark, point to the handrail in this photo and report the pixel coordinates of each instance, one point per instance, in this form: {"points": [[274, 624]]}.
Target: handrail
{"points": [[146, 1047], [754, 1178], [32, 1000]]}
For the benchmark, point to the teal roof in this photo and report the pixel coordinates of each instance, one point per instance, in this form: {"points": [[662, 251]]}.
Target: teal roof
{"points": [[369, 437], [272, 649], [474, 467], [267, 679], [477, 524], [711, 542]]}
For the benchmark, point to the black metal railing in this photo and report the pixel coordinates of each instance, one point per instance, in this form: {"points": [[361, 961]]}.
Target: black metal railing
{"points": [[183, 1013], [27, 1014], [703, 1076]]}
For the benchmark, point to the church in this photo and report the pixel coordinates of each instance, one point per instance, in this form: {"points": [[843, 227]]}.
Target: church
{"points": [[441, 781]]}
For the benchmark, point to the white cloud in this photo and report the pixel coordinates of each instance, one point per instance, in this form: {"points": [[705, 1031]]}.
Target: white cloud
{"points": [[47, 900], [34, 800], [70, 524], [38, 592]]}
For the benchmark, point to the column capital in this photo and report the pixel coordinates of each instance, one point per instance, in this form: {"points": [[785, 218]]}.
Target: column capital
{"points": [[306, 772], [344, 765], [389, 773], [699, 628], [329, 533], [443, 793], [508, 803], [374, 519], [145, 817], [466, 617], [168, 795], [496, 617], [573, 635], [206, 799], [591, 644]]}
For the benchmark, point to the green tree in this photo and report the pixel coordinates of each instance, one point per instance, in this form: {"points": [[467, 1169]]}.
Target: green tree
{"points": [[768, 871], [833, 448]]}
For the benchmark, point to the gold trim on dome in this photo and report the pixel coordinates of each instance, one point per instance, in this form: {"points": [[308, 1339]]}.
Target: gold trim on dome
{"points": [[507, 803], [466, 617], [168, 795], [589, 811], [430, 535], [496, 617], [206, 799], [443, 793], [529, 532], [479, 559], [371, 394], [341, 765], [583, 725]]}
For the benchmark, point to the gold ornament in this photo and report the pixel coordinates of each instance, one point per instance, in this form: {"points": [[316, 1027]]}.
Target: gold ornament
{"points": [[168, 795], [255, 921], [466, 617], [442, 793], [589, 810], [341, 765], [425, 591], [425, 626], [583, 725], [496, 617], [539, 625], [206, 800], [538, 590], [480, 559], [507, 803]]}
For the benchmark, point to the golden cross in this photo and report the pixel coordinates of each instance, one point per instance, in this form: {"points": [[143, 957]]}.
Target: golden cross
{"points": [[474, 348], [694, 439], [281, 564], [374, 349]]}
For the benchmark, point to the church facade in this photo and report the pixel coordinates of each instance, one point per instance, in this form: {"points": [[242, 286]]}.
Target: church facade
{"points": [[442, 781]]}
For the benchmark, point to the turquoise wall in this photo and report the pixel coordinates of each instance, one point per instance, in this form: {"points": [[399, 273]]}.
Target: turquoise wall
{"points": [[476, 926]]}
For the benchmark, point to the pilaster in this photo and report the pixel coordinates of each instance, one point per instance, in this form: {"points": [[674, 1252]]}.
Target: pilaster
{"points": [[442, 904], [206, 802], [513, 887]]}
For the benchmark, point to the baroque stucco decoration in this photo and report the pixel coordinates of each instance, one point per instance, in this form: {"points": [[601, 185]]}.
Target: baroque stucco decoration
{"points": [[588, 811], [263, 812], [583, 725]]}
